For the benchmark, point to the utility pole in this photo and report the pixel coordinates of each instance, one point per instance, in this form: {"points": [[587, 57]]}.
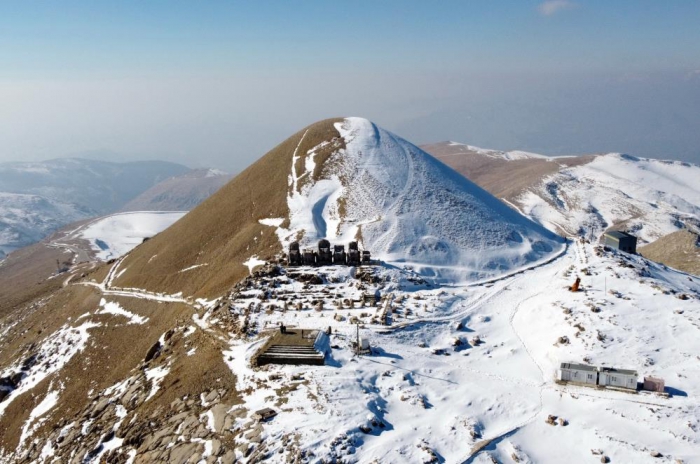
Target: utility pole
{"points": [[357, 326]]}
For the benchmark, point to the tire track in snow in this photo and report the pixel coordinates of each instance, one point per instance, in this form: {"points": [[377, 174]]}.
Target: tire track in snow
{"points": [[484, 298], [400, 198]]}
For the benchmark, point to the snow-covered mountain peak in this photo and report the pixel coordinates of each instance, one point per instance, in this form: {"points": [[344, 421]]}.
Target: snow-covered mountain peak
{"points": [[406, 207]]}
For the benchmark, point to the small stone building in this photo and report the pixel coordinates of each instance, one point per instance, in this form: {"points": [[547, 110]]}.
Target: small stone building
{"points": [[620, 378], [654, 384], [620, 241], [577, 373]]}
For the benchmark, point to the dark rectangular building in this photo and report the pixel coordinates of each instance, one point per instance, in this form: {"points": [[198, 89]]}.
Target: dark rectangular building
{"points": [[620, 241]]}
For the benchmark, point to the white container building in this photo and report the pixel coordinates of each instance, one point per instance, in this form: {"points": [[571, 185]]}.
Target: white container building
{"points": [[578, 373], [620, 378]]}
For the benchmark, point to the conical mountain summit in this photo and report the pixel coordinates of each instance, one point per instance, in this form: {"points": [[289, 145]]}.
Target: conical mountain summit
{"points": [[342, 179]]}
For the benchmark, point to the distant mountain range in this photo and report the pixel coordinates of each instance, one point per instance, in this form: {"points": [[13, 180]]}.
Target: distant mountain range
{"points": [[181, 193], [37, 198]]}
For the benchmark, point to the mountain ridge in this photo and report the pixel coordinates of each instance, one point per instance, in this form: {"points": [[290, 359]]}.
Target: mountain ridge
{"points": [[151, 357]]}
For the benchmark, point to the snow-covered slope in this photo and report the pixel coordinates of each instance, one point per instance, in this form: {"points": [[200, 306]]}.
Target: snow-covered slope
{"points": [[586, 195], [114, 236], [422, 395], [408, 209], [126, 364], [26, 219], [504, 155], [650, 198]]}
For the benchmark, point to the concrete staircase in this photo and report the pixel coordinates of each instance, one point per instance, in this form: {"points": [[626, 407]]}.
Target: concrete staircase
{"points": [[291, 354]]}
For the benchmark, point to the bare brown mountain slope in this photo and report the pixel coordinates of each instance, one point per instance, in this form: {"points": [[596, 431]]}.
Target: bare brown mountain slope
{"points": [[44, 335], [25, 275], [680, 250], [30, 272], [223, 232], [111, 368], [503, 178]]}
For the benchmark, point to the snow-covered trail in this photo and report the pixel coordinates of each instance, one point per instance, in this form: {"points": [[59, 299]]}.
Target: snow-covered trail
{"points": [[294, 177], [527, 293], [106, 288], [142, 294]]}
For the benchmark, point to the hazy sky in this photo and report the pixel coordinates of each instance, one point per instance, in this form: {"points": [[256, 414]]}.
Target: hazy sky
{"points": [[220, 83]]}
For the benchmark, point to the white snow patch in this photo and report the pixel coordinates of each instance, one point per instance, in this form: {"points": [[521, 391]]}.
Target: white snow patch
{"points": [[192, 267], [156, 376], [53, 354], [202, 321], [115, 309], [32, 424], [114, 236], [121, 411], [253, 262], [211, 172], [272, 222], [47, 451], [132, 456], [189, 331], [211, 423]]}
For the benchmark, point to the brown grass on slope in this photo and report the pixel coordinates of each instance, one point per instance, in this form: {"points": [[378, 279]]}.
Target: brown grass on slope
{"points": [[680, 250], [223, 232], [502, 178], [24, 276]]}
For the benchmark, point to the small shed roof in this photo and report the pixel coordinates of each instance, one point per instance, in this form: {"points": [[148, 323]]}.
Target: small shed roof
{"points": [[578, 367], [618, 234], [618, 371]]}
